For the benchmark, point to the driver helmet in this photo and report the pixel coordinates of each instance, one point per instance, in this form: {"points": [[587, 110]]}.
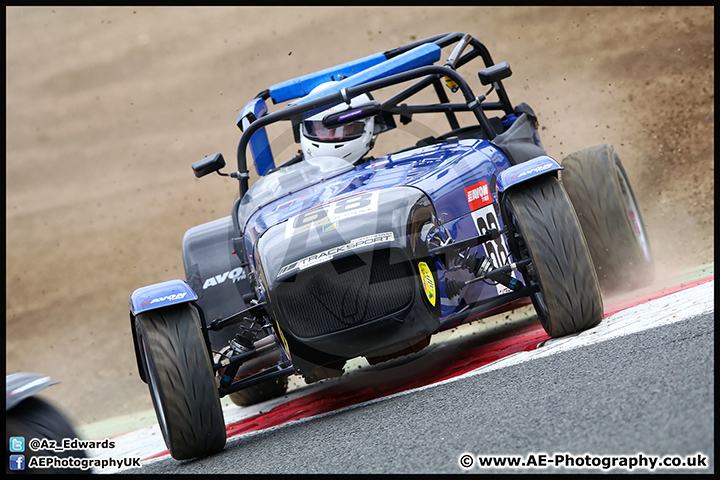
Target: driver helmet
{"points": [[349, 141]]}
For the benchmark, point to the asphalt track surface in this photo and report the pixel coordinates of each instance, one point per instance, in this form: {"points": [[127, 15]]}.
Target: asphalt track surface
{"points": [[644, 393], [648, 394]]}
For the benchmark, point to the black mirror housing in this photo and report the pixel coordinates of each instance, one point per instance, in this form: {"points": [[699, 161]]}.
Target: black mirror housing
{"points": [[210, 164], [494, 73]]}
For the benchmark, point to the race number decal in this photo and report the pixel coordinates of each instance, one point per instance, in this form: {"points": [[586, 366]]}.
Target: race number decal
{"points": [[327, 216], [496, 250]]}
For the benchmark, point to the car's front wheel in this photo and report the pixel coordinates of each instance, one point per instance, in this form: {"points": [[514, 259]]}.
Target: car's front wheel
{"points": [[181, 381], [547, 231]]}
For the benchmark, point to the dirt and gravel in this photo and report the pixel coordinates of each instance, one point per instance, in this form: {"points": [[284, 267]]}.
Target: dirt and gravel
{"points": [[108, 107]]}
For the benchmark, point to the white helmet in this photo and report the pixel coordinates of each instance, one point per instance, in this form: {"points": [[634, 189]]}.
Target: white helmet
{"points": [[349, 141]]}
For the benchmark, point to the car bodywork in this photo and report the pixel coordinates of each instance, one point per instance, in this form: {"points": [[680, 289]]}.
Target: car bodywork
{"points": [[321, 260], [21, 386], [359, 212]]}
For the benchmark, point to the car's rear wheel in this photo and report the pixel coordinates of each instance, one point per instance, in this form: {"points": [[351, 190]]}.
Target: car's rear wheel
{"points": [[547, 231], [181, 381], [600, 191]]}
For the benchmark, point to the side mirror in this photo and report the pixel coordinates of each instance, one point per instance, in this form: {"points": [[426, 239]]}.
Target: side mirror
{"points": [[210, 164], [494, 73]]}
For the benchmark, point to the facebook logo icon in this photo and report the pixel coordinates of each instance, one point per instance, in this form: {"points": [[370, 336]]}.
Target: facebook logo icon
{"points": [[17, 462]]}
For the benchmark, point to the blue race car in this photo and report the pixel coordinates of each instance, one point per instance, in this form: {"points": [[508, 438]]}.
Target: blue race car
{"points": [[336, 254]]}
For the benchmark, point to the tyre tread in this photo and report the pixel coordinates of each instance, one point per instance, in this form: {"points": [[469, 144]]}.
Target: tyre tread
{"points": [[193, 411], [550, 229], [590, 181]]}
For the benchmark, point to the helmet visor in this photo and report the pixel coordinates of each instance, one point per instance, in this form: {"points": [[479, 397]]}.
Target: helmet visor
{"points": [[315, 130]]}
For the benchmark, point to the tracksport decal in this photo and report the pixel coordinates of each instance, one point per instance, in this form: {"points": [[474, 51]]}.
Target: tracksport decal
{"points": [[328, 254]]}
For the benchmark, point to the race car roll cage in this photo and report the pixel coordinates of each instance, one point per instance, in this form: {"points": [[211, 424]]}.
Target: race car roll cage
{"points": [[491, 75]]}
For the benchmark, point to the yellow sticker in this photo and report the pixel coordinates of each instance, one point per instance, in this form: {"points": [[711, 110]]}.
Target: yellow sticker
{"points": [[428, 283], [282, 340]]}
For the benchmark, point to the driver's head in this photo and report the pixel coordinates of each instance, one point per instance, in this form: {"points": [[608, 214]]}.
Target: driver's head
{"points": [[349, 141]]}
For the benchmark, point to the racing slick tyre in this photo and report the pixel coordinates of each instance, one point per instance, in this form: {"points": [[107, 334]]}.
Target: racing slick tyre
{"points": [[181, 381], [260, 393], [600, 191], [35, 418], [547, 231]]}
